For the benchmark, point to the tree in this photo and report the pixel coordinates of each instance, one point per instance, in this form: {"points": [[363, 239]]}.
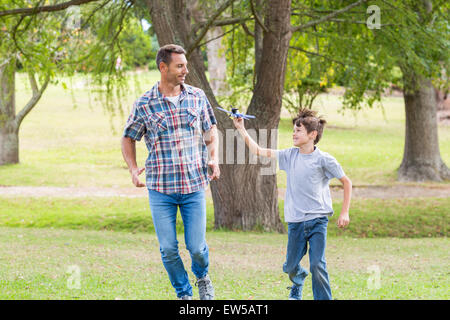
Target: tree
{"points": [[414, 40], [63, 47], [13, 52], [421, 158]]}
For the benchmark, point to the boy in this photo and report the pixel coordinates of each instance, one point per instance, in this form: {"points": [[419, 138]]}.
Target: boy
{"points": [[308, 201]]}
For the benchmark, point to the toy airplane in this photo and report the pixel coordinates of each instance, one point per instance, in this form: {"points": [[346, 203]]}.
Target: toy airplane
{"points": [[234, 113]]}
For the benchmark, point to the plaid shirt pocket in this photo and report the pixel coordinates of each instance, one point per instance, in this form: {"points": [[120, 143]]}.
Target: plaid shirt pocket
{"points": [[158, 125], [158, 120], [192, 118]]}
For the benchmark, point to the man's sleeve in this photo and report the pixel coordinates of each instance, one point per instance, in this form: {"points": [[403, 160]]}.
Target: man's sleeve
{"points": [[282, 157], [135, 126], [207, 114], [332, 168]]}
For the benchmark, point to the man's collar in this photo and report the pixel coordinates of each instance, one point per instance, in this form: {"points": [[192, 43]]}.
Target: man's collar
{"points": [[155, 93]]}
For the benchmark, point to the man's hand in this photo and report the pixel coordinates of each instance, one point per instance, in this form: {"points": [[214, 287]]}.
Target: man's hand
{"points": [[135, 177], [343, 220], [238, 123], [214, 165]]}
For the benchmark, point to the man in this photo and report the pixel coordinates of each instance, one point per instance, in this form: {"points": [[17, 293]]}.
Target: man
{"points": [[179, 128]]}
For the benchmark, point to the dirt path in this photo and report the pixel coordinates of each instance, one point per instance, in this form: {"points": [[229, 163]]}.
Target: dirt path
{"points": [[385, 192]]}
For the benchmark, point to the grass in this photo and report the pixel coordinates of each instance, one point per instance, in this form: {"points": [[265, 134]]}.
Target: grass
{"points": [[402, 218], [62, 145], [36, 264]]}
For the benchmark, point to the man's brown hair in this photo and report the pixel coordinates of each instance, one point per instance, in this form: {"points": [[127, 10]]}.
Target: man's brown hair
{"points": [[309, 119], [165, 53]]}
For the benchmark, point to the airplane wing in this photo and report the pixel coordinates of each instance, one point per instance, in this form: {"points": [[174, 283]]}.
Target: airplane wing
{"points": [[229, 112], [245, 116]]}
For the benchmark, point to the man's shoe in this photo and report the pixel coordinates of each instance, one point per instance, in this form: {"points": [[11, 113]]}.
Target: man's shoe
{"points": [[185, 297], [205, 288], [295, 293]]}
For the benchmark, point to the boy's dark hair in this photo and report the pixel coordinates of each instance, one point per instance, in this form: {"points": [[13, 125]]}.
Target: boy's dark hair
{"points": [[165, 53], [309, 119]]}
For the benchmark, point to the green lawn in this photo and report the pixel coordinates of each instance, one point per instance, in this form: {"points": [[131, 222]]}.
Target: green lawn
{"points": [[41, 264], [62, 145], [402, 218]]}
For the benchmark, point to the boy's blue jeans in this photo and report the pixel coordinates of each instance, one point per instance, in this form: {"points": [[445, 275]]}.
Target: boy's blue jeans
{"points": [[300, 234], [164, 209]]}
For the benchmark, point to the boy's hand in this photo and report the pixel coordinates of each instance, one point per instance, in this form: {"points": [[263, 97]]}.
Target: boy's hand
{"points": [[239, 123], [343, 220]]}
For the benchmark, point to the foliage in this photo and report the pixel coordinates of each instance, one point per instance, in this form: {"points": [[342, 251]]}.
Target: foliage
{"points": [[345, 51], [403, 42], [240, 56], [82, 39]]}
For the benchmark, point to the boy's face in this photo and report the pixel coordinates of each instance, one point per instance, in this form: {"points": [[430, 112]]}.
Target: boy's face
{"points": [[300, 137]]}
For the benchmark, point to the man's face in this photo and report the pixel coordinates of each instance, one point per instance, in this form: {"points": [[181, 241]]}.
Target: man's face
{"points": [[175, 73]]}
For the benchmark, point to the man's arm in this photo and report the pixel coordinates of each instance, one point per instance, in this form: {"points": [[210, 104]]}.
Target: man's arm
{"points": [[212, 143], [129, 155], [252, 145], [344, 218]]}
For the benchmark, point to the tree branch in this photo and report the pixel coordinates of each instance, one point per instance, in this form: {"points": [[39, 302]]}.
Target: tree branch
{"points": [[247, 31], [37, 93], [218, 37], [6, 61], [327, 17], [219, 23], [316, 54], [257, 17], [51, 8], [342, 20], [207, 25]]}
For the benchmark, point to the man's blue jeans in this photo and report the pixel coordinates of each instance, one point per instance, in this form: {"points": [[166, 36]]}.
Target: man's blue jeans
{"points": [[300, 234], [164, 209]]}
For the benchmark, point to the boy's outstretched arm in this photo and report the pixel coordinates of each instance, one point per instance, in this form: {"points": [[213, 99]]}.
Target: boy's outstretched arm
{"points": [[252, 145], [344, 218]]}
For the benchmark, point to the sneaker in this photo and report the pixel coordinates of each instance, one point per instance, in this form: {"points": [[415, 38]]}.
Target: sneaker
{"points": [[185, 297], [295, 293], [205, 288]]}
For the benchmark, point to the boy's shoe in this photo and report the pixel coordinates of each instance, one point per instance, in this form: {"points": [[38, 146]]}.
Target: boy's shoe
{"points": [[296, 293], [185, 297], [205, 288]]}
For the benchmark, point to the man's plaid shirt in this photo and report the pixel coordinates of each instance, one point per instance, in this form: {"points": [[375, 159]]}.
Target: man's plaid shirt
{"points": [[178, 158]]}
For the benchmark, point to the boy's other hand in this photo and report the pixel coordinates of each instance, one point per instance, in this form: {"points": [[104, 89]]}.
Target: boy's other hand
{"points": [[238, 123], [343, 220]]}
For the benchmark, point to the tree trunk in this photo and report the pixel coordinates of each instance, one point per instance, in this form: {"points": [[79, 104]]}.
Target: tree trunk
{"points": [[258, 42], [421, 158], [9, 133], [217, 64], [244, 197], [249, 199]]}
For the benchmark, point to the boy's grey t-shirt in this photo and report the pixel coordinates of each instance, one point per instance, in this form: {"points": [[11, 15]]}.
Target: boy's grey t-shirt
{"points": [[308, 176]]}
